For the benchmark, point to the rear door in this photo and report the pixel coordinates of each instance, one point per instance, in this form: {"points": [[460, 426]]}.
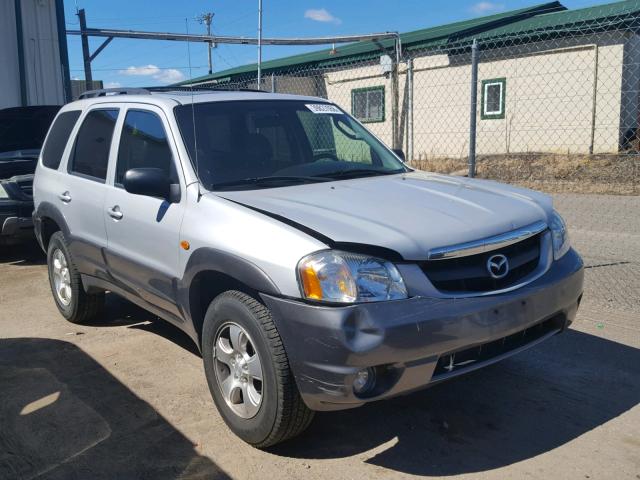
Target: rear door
{"points": [[144, 232], [50, 180], [81, 192]]}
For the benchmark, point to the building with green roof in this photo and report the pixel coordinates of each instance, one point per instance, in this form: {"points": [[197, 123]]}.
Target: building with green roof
{"points": [[549, 80]]}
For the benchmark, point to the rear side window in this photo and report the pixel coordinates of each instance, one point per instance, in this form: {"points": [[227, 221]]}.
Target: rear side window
{"points": [[91, 152], [58, 138], [144, 144]]}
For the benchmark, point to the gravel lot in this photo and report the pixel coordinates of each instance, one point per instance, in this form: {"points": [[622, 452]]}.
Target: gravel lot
{"points": [[127, 398]]}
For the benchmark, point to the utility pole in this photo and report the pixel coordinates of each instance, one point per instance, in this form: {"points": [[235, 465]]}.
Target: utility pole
{"points": [[207, 18], [88, 77]]}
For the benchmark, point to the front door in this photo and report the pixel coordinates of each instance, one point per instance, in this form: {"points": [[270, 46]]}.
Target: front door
{"points": [[144, 232]]}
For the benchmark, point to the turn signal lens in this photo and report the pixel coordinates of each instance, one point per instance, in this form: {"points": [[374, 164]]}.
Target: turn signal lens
{"points": [[311, 283]]}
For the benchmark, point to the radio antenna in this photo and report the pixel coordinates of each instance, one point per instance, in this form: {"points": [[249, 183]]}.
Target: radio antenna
{"points": [[193, 111]]}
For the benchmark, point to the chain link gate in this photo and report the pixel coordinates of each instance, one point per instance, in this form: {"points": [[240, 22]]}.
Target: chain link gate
{"points": [[549, 101], [557, 101]]}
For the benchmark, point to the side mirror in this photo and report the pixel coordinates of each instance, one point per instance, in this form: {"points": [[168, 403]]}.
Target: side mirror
{"points": [[151, 182], [399, 152]]}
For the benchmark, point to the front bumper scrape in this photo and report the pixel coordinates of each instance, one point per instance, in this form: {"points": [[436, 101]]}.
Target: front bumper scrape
{"points": [[405, 339]]}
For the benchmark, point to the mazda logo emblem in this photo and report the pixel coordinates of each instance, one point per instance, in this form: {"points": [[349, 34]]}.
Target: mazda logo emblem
{"points": [[498, 266]]}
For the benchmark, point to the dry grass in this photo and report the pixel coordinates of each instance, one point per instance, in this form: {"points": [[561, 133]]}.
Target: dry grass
{"points": [[610, 174]]}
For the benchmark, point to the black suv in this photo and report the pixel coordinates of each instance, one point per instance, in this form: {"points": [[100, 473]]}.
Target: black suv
{"points": [[22, 132]]}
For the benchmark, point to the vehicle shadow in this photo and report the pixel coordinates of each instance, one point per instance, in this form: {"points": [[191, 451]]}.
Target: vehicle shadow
{"points": [[504, 414], [120, 312], [64, 416], [24, 254], [171, 333]]}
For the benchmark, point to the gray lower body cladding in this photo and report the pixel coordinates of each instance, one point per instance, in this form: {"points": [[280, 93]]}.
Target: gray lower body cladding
{"points": [[419, 341]]}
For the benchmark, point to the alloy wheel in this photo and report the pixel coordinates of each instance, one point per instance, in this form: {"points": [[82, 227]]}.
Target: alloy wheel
{"points": [[238, 370], [61, 277]]}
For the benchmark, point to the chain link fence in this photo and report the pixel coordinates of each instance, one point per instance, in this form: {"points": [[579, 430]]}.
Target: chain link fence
{"points": [[550, 102]]}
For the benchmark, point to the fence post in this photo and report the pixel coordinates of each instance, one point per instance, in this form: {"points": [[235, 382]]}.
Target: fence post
{"points": [[410, 110], [473, 109], [394, 105]]}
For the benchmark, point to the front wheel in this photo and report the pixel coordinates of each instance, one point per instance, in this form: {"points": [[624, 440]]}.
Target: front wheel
{"points": [[248, 372]]}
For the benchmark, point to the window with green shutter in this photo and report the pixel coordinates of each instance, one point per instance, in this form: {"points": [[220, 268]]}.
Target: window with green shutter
{"points": [[367, 104], [493, 98]]}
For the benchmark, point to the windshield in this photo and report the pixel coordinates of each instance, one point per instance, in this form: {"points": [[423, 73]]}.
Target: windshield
{"points": [[266, 143]]}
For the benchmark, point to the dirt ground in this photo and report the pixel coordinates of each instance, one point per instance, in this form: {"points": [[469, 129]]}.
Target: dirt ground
{"points": [[617, 174], [127, 398]]}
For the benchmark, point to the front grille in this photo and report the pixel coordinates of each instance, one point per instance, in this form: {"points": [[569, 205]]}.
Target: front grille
{"points": [[470, 273], [474, 357]]}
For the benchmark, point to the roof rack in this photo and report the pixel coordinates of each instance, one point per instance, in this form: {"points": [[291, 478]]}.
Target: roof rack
{"points": [[201, 88], [103, 92]]}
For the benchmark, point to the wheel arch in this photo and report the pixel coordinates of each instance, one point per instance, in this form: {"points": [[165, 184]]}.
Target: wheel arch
{"points": [[48, 220], [209, 273]]}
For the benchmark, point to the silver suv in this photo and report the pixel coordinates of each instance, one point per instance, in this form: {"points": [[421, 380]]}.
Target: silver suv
{"points": [[310, 265]]}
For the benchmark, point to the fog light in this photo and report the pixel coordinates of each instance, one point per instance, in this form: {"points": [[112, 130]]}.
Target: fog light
{"points": [[364, 380]]}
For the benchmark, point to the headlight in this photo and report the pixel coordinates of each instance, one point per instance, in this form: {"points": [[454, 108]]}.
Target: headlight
{"points": [[559, 235], [342, 277], [3, 192]]}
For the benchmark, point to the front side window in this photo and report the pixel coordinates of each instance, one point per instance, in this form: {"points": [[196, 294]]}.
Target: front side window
{"points": [[90, 156], [272, 143], [58, 138], [144, 144], [367, 104], [493, 97]]}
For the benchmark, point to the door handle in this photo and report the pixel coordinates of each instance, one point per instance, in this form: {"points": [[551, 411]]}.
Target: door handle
{"points": [[65, 197], [115, 213]]}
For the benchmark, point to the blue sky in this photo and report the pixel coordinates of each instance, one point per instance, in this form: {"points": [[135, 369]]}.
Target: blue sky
{"points": [[144, 62]]}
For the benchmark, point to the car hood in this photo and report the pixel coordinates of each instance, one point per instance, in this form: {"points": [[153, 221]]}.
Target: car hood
{"points": [[24, 128], [409, 213], [21, 166]]}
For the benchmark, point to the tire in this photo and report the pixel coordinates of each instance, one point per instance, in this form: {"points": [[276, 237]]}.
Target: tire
{"points": [[281, 413], [75, 304]]}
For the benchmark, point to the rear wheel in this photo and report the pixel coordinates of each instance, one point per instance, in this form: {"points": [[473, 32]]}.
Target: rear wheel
{"points": [[248, 372], [72, 301]]}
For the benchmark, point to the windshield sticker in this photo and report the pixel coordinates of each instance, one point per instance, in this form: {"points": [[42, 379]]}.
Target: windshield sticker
{"points": [[323, 108]]}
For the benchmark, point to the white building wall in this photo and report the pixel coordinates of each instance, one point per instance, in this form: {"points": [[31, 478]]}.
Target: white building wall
{"points": [[630, 104], [549, 106]]}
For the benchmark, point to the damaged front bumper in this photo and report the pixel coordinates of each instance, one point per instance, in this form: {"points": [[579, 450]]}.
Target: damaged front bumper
{"points": [[410, 344]]}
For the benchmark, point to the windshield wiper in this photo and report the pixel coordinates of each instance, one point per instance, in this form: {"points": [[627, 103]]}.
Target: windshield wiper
{"points": [[268, 181], [360, 172]]}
